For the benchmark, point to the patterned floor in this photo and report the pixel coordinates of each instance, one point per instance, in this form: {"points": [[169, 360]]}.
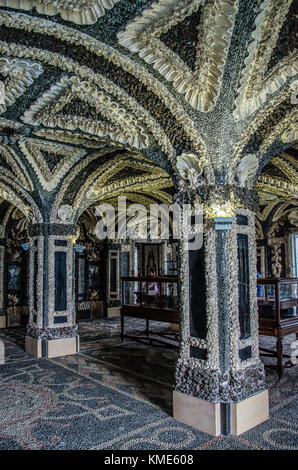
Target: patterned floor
{"points": [[117, 396]]}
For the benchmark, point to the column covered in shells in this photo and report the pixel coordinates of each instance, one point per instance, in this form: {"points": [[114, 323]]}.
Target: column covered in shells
{"points": [[219, 354], [51, 329]]}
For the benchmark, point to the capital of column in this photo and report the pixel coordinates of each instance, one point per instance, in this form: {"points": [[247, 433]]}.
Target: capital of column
{"points": [[218, 198]]}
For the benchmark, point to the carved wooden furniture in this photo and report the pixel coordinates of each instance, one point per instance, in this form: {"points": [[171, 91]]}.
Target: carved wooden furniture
{"points": [[150, 298], [278, 315]]}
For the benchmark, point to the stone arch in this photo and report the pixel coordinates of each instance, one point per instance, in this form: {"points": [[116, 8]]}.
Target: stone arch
{"points": [[102, 172], [136, 72], [12, 192]]}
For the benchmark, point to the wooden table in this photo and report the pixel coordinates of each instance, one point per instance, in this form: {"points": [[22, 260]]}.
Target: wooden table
{"points": [[160, 307]]}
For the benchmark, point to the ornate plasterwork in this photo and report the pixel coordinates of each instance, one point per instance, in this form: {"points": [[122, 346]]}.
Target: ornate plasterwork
{"points": [[201, 87], [189, 169], [122, 126], [6, 219], [76, 11], [277, 130], [65, 214], [18, 75], [268, 134], [288, 165], [259, 230], [276, 186], [109, 88], [16, 169], [259, 122], [105, 182], [291, 133], [26, 22], [255, 86], [285, 209], [7, 123], [141, 198], [246, 170], [75, 138], [66, 157]]}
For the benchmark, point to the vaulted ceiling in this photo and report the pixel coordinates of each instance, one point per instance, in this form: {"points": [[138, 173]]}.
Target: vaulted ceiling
{"points": [[94, 87], [277, 188]]}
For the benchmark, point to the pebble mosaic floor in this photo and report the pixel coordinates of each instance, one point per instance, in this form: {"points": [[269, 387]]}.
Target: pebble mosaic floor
{"points": [[118, 396]]}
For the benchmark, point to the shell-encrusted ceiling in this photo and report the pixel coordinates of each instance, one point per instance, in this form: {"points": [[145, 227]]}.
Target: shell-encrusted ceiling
{"points": [[142, 96], [199, 83], [76, 11], [277, 185]]}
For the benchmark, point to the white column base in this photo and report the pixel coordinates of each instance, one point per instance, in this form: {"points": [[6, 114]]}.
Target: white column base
{"points": [[54, 347], [32, 346], [2, 321], [113, 312], [206, 416], [247, 414], [199, 414]]}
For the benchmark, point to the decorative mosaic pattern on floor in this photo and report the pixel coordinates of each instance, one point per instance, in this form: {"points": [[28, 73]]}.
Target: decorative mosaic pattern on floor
{"points": [[119, 397]]}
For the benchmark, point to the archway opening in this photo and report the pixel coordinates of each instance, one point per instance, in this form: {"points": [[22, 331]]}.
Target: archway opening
{"points": [[14, 275], [276, 233], [114, 325]]}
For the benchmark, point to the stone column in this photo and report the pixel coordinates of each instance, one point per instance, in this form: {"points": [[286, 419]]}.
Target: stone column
{"points": [[51, 329], [2, 271], [220, 381]]}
